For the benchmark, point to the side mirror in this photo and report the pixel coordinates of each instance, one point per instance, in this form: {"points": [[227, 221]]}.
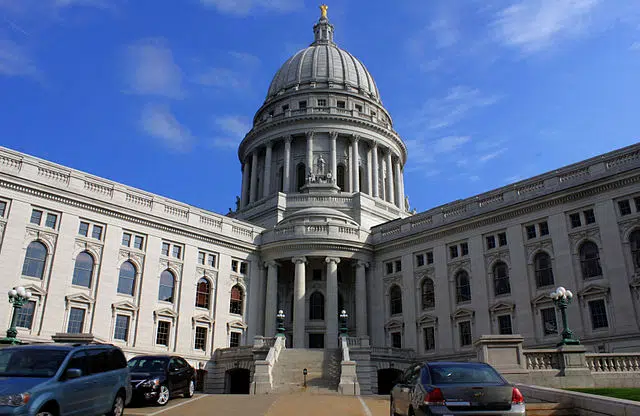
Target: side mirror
{"points": [[72, 373]]}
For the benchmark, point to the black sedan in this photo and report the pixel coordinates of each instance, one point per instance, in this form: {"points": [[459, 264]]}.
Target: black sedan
{"points": [[453, 388], [158, 378]]}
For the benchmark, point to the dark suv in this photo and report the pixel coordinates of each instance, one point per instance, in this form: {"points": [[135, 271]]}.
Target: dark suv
{"points": [[159, 377], [63, 379]]}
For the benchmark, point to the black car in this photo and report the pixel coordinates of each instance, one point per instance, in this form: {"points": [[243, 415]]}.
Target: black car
{"points": [[158, 378], [455, 388]]}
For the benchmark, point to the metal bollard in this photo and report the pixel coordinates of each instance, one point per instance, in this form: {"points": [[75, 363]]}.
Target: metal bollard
{"points": [[304, 373]]}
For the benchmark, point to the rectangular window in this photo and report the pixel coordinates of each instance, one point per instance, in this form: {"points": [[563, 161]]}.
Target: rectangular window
{"points": [[396, 340], [302, 105], [342, 104], [589, 217], [121, 330], [126, 239], [389, 267], [162, 336], [138, 242], [544, 228], [52, 220], [201, 257], [177, 251], [502, 239], [243, 267], [83, 230], [625, 207], [234, 339], [322, 102], [429, 257], [464, 249], [285, 107], [211, 260], [200, 342], [3, 208], [234, 265], [24, 315], [97, 232], [453, 252], [575, 220], [504, 325], [491, 242], [359, 108], [165, 249], [398, 264], [531, 231], [36, 217], [76, 321], [598, 314], [429, 338], [419, 260], [549, 323], [636, 201], [465, 333]]}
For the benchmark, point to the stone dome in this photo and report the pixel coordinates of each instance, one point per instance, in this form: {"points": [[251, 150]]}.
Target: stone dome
{"points": [[323, 65]]}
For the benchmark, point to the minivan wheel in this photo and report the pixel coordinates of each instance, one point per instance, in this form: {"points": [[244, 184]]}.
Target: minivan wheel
{"points": [[117, 409], [190, 390], [163, 395]]}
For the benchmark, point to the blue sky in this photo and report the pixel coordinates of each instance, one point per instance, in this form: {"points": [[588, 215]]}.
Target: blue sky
{"points": [[157, 95]]}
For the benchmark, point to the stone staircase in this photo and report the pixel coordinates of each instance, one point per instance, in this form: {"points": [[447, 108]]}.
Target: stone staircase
{"points": [[550, 409], [323, 371]]}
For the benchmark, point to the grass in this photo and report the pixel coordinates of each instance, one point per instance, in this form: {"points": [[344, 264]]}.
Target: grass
{"points": [[618, 393]]}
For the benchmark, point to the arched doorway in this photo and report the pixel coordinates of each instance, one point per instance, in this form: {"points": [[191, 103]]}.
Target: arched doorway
{"points": [[387, 378], [237, 381]]}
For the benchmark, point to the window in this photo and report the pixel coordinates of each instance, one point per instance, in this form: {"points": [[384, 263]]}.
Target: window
{"points": [[165, 249], [238, 266], [235, 305], [138, 242], [76, 321], [83, 230], [575, 220], [395, 300], [301, 175], [398, 264], [544, 228], [322, 102], [24, 315], [3, 208], [429, 257], [317, 275], [234, 339], [127, 278], [531, 231], [243, 268], [464, 249], [342, 104], [419, 260], [316, 306], [203, 293], [36, 217], [302, 105], [126, 239], [636, 201], [502, 239], [543, 270], [634, 243], [121, 330], [396, 340], [590, 260], [176, 252], [200, 342], [464, 329], [97, 232], [358, 108], [549, 323], [625, 207], [589, 216], [501, 279], [285, 107], [598, 314], [428, 294], [172, 249], [491, 242], [453, 252], [504, 325], [201, 257], [167, 283], [463, 287], [83, 270], [162, 336], [34, 260], [389, 267], [340, 177], [52, 221], [429, 338]]}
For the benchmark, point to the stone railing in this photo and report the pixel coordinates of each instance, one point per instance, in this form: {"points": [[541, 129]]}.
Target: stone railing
{"points": [[263, 373], [546, 359], [393, 352], [348, 377], [607, 363]]}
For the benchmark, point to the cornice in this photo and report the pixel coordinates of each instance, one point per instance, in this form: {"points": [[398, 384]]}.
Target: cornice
{"points": [[284, 249]]}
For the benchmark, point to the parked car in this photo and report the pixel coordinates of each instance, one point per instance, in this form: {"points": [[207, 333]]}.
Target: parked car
{"points": [[158, 378], [455, 388], [63, 380]]}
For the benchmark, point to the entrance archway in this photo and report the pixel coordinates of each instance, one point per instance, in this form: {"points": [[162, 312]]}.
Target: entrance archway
{"points": [[237, 381], [387, 379]]}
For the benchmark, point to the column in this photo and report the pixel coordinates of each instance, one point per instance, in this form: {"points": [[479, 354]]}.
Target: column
{"points": [[348, 175], [376, 172], [399, 196], [244, 197], [299, 302], [286, 171], [369, 173], [355, 163], [401, 183], [267, 170], [333, 136], [271, 303], [254, 177], [309, 153], [390, 192], [331, 303], [361, 298]]}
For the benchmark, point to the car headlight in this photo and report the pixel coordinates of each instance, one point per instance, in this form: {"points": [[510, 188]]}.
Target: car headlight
{"points": [[15, 400], [151, 383]]}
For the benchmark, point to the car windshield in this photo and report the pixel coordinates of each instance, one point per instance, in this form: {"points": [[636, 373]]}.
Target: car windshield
{"points": [[148, 365], [31, 362], [463, 374]]}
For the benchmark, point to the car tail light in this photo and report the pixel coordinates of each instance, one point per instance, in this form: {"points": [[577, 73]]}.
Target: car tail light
{"points": [[434, 396], [516, 397]]}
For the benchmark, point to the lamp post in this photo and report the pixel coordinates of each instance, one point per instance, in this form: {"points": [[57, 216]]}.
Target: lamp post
{"points": [[343, 323], [562, 298], [18, 296], [280, 323]]}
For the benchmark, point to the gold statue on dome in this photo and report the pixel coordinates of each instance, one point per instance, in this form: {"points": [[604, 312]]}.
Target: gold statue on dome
{"points": [[323, 11]]}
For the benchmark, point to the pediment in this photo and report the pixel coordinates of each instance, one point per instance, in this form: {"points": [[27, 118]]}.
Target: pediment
{"points": [[125, 305], [80, 298], [540, 299], [428, 319], [593, 290], [203, 318], [237, 325], [166, 312], [463, 313], [394, 324], [502, 307], [35, 290]]}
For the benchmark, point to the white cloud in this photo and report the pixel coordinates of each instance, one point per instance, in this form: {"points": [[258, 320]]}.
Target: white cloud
{"points": [[449, 144], [151, 69], [450, 109], [14, 60], [221, 78], [488, 156], [635, 46], [232, 130], [244, 7], [474, 178], [445, 32], [158, 121]]}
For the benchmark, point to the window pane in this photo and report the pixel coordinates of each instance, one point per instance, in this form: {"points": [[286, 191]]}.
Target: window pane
{"points": [[465, 333], [76, 321], [598, 314], [544, 228], [575, 220], [430, 257], [126, 239], [491, 242], [36, 217], [395, 298], [52, 220], [549, 323], [138, 242], [543, 270], [127, 278], [34, 260], [464, 249], [531, 231], [97, 232], [201, 257], [201, 338], [83, 271], [176, 251], [236, 300], [316, 306], [203, 294], [453, 251], [589, 216], [243, 268], [590, 260], [396, 340], [428, 294], [504, 325], [502, 239], [121, 331], [501, 279], [212, 260], [429, 339], [463, 287], [167, 282], [234, 265], [24, 315], [234, 339], [162, 337], [625, 207], [3, 208], [165, 249], [84, 229]]}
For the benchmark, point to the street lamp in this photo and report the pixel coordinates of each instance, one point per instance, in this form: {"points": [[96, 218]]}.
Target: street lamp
{"points": [[343, 323], [18, 296], [280, 323], [562, 298]]}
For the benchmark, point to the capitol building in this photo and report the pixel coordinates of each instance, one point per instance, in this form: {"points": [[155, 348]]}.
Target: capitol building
{"points": [[323, 225]]}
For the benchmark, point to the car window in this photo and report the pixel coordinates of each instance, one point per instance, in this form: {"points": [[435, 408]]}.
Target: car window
{"points": [[79, 361], [461, 373], [98, 361], [147, 365], [183, 363], [31, 362], [175, 364], [116, 359]]}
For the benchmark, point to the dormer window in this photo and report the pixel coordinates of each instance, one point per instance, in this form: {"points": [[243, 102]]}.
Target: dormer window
{"points": [[342, 104], [322, 102]]}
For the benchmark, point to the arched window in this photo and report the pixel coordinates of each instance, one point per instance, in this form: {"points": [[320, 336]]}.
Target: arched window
{"points": [[395, 300], [428, 294], [543, 270], [340, 177], [590, 260], [236, 300], [301, 173], [83, 270], [203, 293], [316, 306], [34, 260], [281, 179], [127, 278], [463, 287], [167, 284], [501, 283], [634, 242]]}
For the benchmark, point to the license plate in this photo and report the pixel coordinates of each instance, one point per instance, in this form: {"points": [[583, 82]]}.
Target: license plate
{"points": [[457, 403]]}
